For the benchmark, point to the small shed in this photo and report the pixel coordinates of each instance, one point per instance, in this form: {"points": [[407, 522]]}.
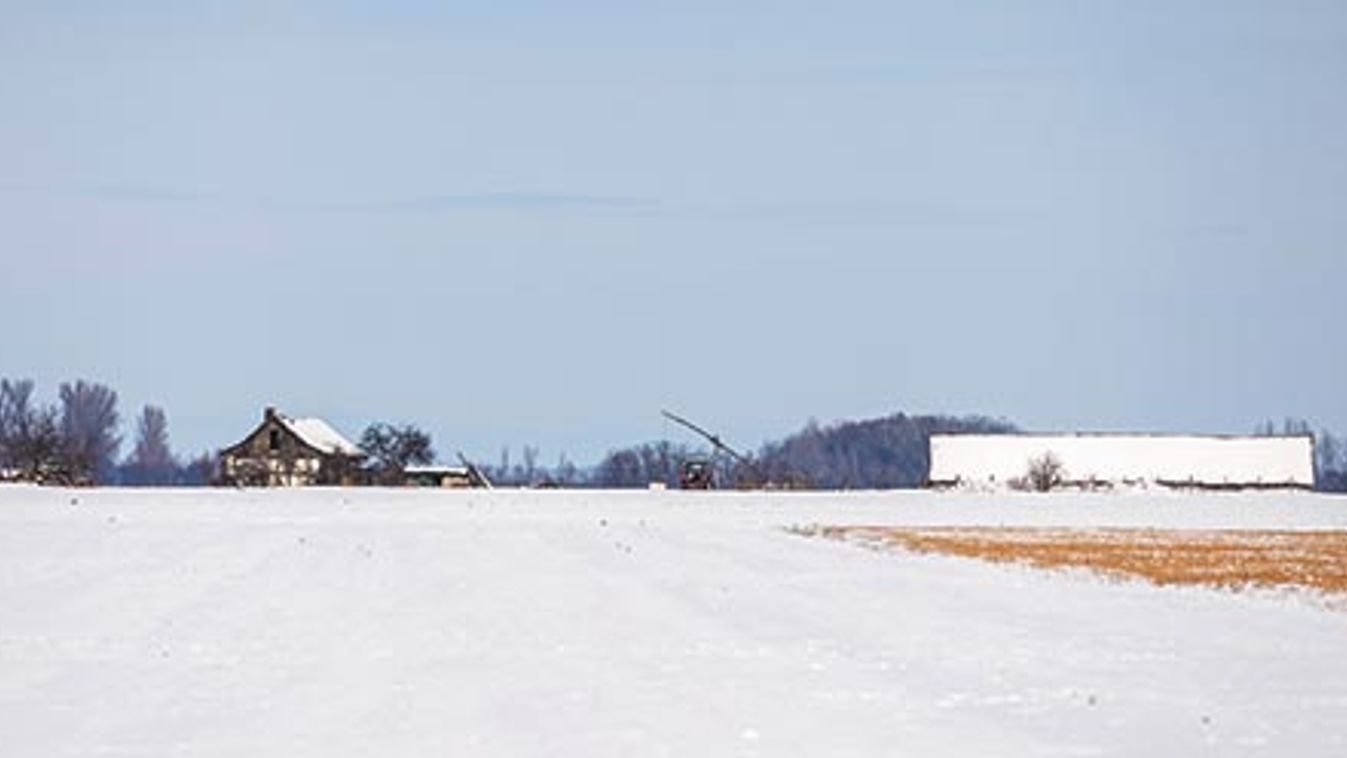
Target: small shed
{"points": [[454, 477], [291, 452]]}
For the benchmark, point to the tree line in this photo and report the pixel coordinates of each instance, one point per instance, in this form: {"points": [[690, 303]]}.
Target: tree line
{"points": [[76, 441], [883, 453]]}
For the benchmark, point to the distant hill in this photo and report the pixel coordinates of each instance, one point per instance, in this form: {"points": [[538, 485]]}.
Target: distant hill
{"points": [[884, 453]]}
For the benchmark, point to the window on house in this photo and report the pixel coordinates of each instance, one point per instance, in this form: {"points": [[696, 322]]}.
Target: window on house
{"points": [[275, 440]]}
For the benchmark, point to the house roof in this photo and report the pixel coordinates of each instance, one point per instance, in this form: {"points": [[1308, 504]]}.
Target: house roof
{"points": [[317, 434], [436, 468]]}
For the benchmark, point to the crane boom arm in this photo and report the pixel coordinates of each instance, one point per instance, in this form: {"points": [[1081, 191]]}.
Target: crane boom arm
{"points": [[474, 473], [715, 441]]}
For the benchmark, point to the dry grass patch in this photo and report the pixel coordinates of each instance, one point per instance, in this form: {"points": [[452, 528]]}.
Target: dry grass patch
{"points": [[1220, 558]]}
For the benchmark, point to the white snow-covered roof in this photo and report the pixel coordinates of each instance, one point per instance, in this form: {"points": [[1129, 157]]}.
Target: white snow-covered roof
{"points": [[996, 459], [435, 468], [316, 433]]}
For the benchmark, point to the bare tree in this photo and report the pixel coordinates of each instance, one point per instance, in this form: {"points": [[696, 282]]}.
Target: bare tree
{"points": [[39, 450], [1330, 462], [1290, 427], [88, 430], [152, 462], [566, 473], [202, 470], [29, 439], [15, 417], [1297, 427], [530, 471], [621, 469], [1045, 472], [391, 449]]}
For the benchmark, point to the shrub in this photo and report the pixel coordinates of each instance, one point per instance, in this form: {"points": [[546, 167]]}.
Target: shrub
{"points": [[1045, 472]]}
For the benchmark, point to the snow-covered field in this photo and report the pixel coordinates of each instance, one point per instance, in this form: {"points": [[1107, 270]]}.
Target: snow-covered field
{"points": [[403, 623]]}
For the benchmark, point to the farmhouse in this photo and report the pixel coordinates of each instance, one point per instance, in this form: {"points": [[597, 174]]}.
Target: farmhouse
{"points": [[291, 452], [992, 461]]}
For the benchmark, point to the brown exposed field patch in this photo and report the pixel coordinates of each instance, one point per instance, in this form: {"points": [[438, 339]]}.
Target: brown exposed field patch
{"points": [[1220, 558]]}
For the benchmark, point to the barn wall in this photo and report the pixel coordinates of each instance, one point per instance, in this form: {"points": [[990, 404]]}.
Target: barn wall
{"points": [[995, 460], [258, 444]]}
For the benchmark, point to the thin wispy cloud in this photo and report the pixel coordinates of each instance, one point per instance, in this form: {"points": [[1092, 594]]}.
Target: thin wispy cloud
{"points": [[503, 201], [742, 209], [507, 201]]}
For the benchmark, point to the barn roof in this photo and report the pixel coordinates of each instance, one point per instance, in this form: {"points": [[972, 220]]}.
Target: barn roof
{"points": [[435, 468], [1199, 460]]}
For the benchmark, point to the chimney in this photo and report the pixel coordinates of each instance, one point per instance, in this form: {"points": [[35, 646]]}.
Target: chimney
{"points": [[269, 413]]}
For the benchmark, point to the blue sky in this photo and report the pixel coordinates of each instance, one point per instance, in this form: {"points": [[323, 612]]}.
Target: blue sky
{"points": [[521, 223]]}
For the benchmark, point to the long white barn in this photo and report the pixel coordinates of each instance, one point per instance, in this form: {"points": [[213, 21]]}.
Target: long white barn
{"points": [[999, 460]]}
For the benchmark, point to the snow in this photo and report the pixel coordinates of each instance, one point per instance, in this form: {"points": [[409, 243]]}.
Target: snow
{"points": [[318, 434], [500, 623], [992, 460], [434, 468]]}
